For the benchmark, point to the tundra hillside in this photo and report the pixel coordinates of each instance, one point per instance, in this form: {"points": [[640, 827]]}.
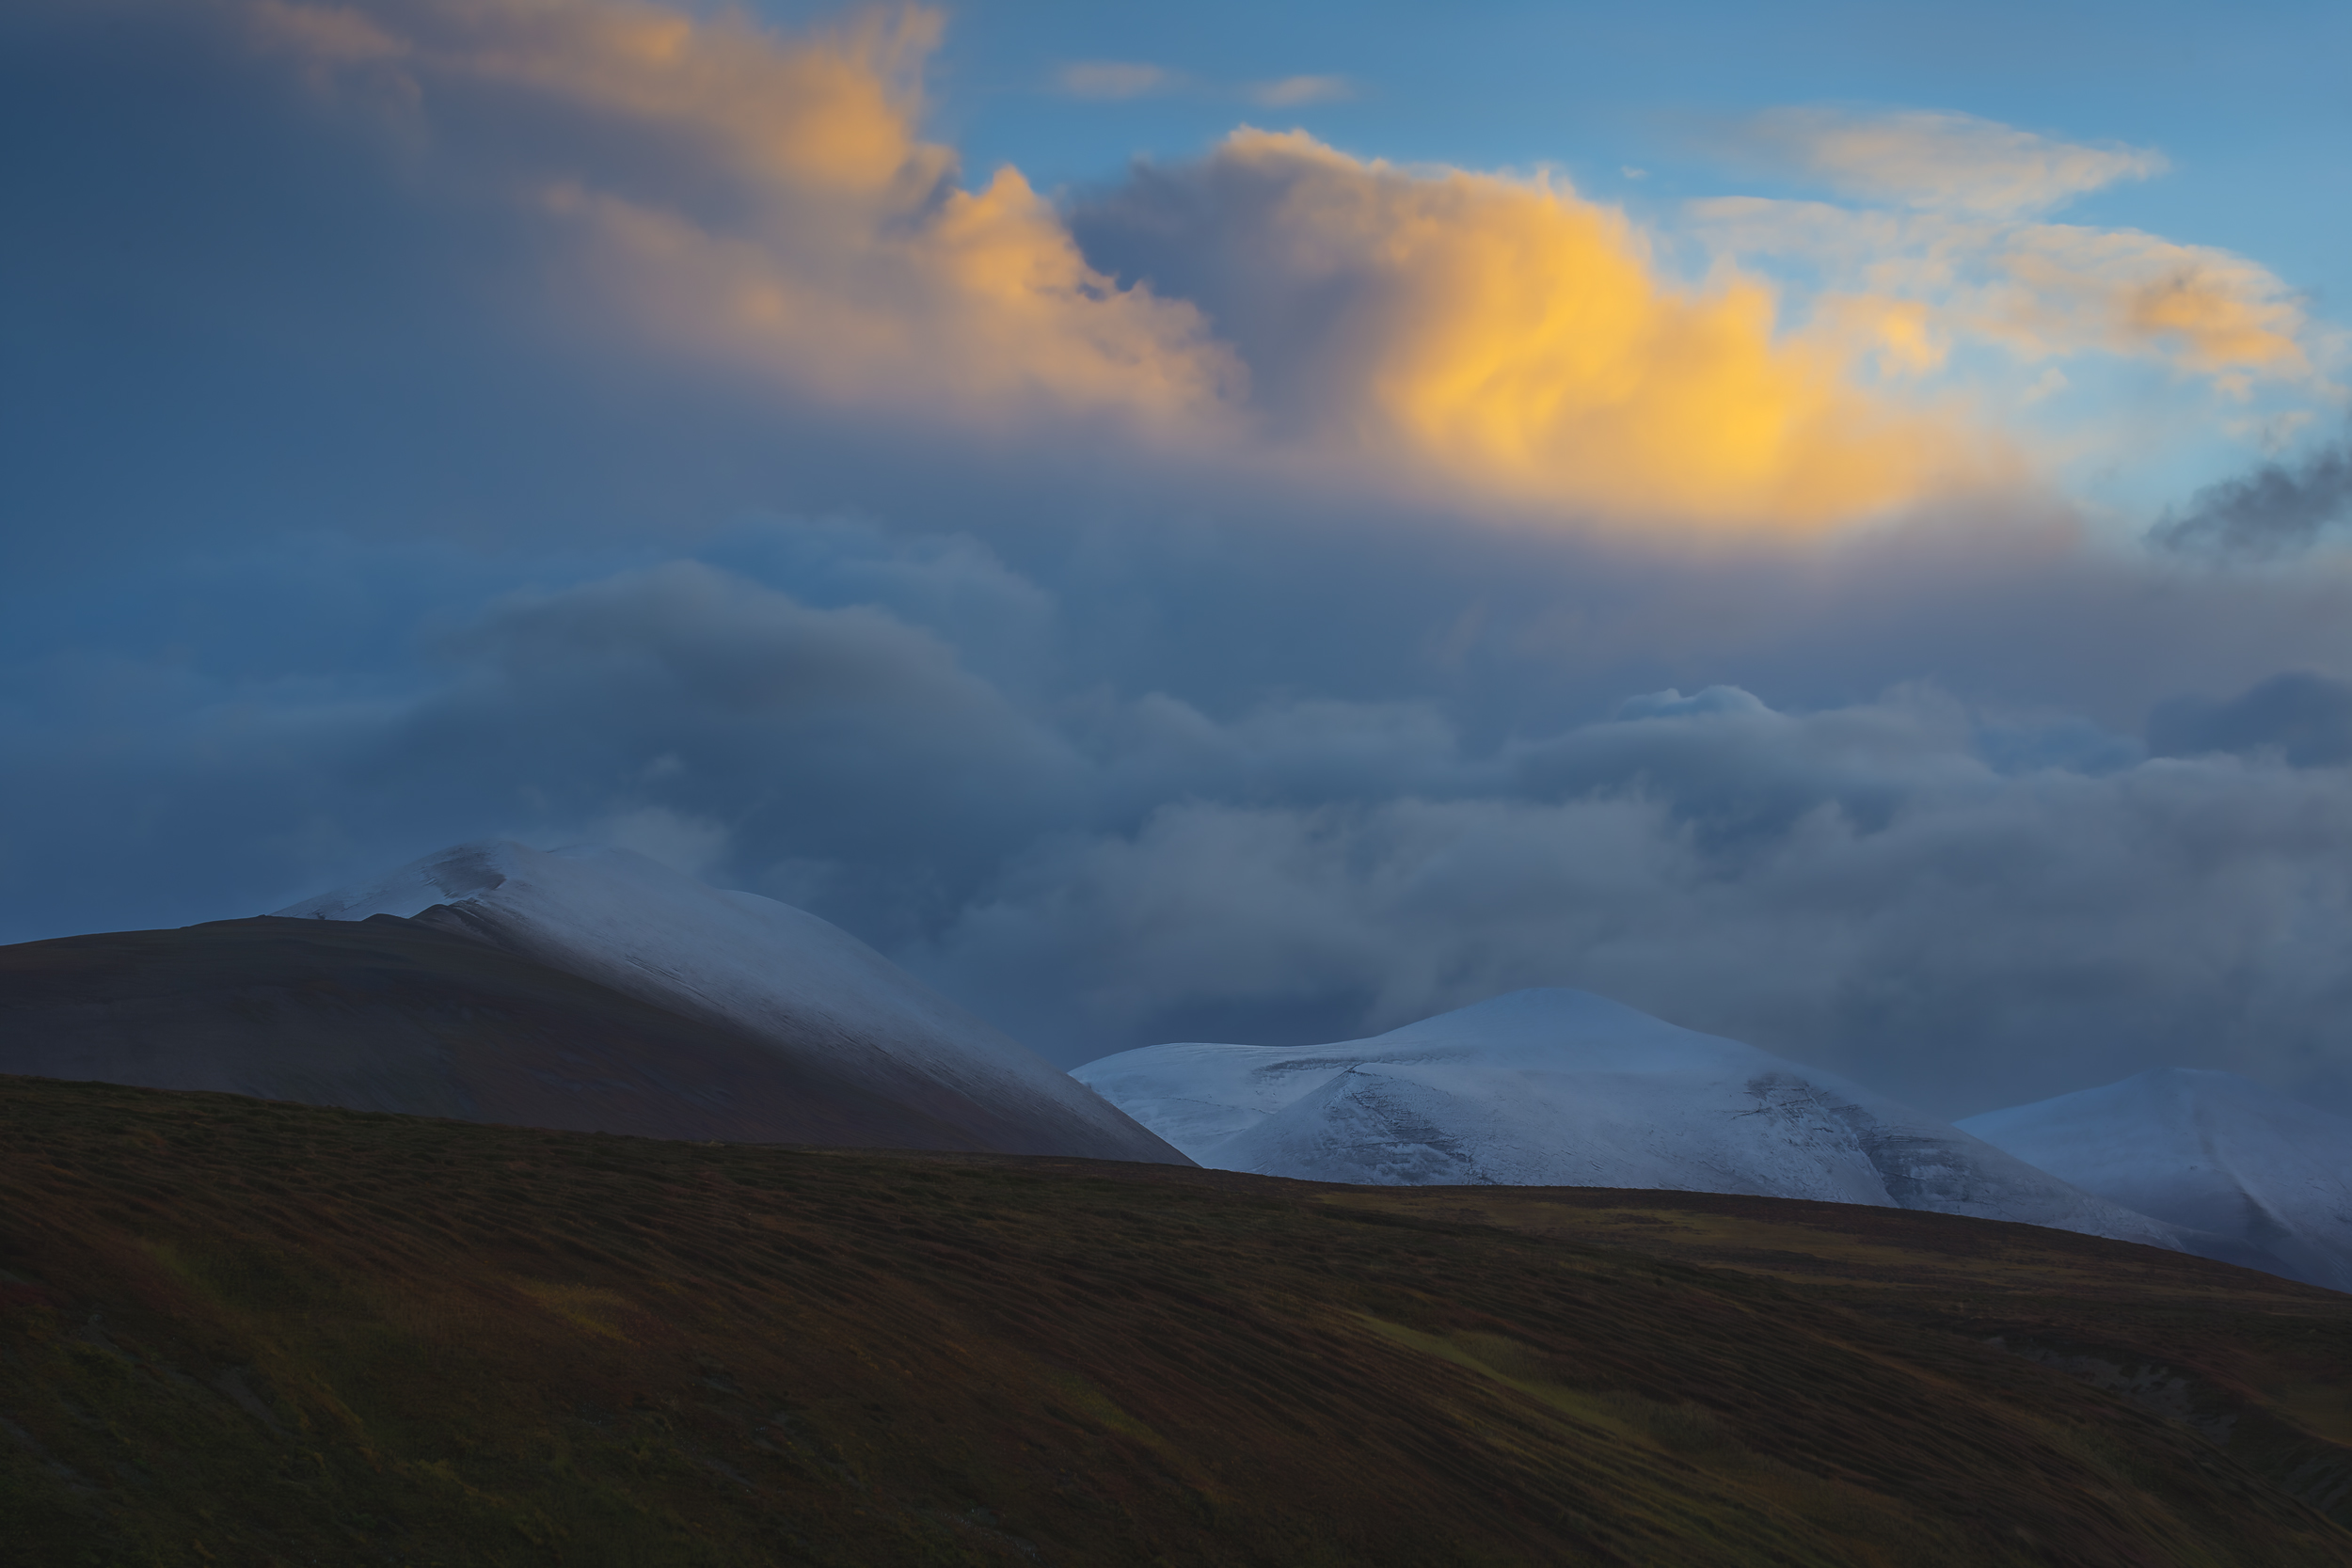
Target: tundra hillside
{"points": [[238, 1331]]}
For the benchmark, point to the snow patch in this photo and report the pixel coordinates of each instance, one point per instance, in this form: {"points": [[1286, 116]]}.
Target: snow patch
{"points": [[1557, 1087], [2262, 1178]]}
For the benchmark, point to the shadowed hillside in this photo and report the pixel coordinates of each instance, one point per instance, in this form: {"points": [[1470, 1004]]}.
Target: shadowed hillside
{"points": [[263, 1333], [407, 1015]]}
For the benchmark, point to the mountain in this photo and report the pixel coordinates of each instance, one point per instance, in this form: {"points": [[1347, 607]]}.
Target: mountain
{"points": [[585, 988], [1562, 1088], [399, 1015], [2210, 1151], [251, 1333]]}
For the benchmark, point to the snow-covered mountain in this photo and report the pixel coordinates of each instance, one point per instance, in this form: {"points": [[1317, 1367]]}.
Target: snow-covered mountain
{"points": [[1562, 1088], [777, 975], [2210, 1151]]}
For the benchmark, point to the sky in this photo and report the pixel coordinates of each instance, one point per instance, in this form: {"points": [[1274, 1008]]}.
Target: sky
{"points": [[1825, 523]]}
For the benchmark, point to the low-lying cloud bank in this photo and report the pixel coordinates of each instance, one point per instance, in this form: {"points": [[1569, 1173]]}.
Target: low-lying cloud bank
{"points": [[1957, 907]]}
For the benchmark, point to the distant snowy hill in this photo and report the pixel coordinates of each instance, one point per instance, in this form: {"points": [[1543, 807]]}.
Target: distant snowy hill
{"points": [[1561, 1088], [2210, 1152], [766, 972]]}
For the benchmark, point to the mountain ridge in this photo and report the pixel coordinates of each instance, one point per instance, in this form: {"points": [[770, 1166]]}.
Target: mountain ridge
{"points": [[1551, 1086], [780, 976], [591, 990], [2212, 1152]]}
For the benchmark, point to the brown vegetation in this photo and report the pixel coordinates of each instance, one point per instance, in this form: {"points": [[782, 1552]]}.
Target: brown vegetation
{"points": [[243, 1332]]}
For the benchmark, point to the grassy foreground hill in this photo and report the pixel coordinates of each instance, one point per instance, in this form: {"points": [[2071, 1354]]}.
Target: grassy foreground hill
{"points": [[244, 1332]]}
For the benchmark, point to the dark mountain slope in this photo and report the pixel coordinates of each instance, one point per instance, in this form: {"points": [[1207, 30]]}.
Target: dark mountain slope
{"points": [[399, 1015], [237, 1332], [801, 987]]}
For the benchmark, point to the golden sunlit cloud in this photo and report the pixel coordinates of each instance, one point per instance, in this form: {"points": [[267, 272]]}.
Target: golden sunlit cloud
{"points": [[1502, 343], [1507, 338], [2205, 310], [2039, 290], [1950, 228], [776, 209]]}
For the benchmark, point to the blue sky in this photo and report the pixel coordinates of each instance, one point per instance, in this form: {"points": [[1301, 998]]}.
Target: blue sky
{"points": [[1824, 523], [2247, 104], [2243, 103], [2246, 110]]}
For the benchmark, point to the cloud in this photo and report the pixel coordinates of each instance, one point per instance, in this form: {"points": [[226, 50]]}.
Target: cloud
{"points": [[323, 36], [1115, 79], [2277, 510], [1857, 889], [1035, 791], [689, 843], [2061, 287], [1937, 160], [677, 700], [1510, 338], [1289, 93], [2035, 291], [592, 420], [765, 203], [2305, 718], [739, 203], [765, 206], [754, 222], [1947, 220]]}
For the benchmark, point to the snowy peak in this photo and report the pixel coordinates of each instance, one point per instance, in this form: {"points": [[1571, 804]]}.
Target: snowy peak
{"points": [[1532, 1026], [458, 872], [780, 976], [2212, 1152], [1563, 1088]]}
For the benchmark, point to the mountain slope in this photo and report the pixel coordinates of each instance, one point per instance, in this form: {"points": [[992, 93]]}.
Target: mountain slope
{"points": [[804, 989], [2210, 1152], [399, 1015], [1561, 1088], [234, 1332]]}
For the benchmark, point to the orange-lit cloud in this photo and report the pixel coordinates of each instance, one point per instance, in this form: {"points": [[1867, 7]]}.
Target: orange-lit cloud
{"points": [[768, 202], [1506, 338], [326, 34], [1954, 235], [2205, 310]]}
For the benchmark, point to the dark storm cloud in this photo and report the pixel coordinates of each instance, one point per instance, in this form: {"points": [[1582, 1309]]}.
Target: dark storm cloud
{"points": [[2277, 510]]}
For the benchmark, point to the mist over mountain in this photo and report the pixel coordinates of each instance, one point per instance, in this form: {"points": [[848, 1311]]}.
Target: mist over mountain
{"points": [[2210, 1150], [1564, 1088], [1248, 575], [595, 990]]}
